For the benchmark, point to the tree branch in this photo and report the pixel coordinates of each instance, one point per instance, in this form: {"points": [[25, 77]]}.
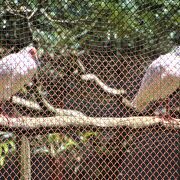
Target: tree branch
{"points": [[71, 117], [63, 121], [35, 106], [91, 77]]}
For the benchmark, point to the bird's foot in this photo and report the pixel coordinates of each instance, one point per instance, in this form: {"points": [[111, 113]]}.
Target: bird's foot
{"points": [[167, 118]]}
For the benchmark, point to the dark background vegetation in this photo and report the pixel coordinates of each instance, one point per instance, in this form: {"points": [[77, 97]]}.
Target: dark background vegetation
{"points": [[114, 39]]}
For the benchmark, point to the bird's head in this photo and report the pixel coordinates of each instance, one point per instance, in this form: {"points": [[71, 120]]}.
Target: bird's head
{"points": [[32, 52]]}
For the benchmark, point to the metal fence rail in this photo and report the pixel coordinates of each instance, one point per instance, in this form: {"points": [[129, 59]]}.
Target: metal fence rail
{"points": [[69, 72]]}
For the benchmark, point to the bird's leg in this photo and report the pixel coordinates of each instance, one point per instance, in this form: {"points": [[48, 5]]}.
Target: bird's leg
{"points": [[9, 108], [3, 113], [164, 111], [160, 111], [12, 111], [7, 111], [0, 108], [167, 114]]}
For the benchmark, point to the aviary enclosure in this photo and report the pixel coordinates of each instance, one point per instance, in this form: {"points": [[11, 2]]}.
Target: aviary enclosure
{"points": [[69, 72]]}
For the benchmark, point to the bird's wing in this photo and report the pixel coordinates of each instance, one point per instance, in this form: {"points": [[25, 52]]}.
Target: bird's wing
{"points": [[9, 63], [150, 83], [153, 73], [6, 76], [17, 64], [15, 71], [161, 79], [10, 75]]}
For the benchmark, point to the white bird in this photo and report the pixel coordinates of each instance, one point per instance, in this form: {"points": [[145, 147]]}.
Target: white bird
{"points": [[161, 79], [16, 70]]}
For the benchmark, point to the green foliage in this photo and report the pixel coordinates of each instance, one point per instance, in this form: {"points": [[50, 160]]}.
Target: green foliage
{"points": [[55, 143], [7, 146], [76, 25]]}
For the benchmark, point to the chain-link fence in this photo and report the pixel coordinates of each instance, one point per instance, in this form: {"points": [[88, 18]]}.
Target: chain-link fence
{"points": [[89, 89]]}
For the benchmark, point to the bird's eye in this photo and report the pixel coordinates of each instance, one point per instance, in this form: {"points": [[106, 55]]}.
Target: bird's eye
{"points": [[32, 52]]}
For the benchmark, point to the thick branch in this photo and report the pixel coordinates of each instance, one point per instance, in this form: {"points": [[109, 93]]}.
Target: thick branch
{"points": [[62, 121], [71, 117]]}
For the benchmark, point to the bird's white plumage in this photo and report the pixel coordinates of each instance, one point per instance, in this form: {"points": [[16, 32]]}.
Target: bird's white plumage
{"points": [[160, 80], [16, 70]]}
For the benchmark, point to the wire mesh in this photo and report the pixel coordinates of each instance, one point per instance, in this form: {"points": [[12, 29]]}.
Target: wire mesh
{"points": [[69, 71]]}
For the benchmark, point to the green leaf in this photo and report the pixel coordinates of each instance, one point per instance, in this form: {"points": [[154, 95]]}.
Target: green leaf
{"points": [[2, 160]]}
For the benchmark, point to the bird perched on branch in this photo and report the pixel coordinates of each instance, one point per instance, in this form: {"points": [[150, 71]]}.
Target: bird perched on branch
{"points": [[16, 70], [161, 79]]}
